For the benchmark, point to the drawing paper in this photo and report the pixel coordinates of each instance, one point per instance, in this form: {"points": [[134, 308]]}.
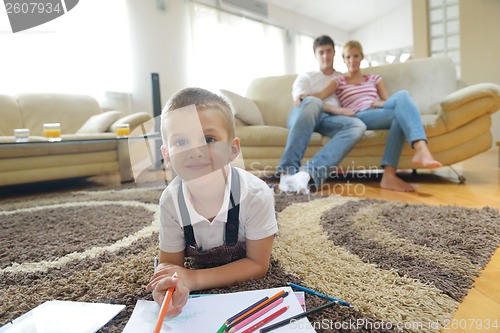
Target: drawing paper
{"points": [[207, 314], [64, 317]]}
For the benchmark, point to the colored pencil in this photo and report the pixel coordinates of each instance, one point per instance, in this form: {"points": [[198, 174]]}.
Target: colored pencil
{"points": [[247, 309], [266, 320], [316, 293], [164, 307], [256, 315], [229, 320], [250, 312], [222, 329], [298, 316]]}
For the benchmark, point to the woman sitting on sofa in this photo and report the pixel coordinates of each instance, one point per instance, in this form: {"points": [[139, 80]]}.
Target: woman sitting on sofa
{"points": [[367, 96]]}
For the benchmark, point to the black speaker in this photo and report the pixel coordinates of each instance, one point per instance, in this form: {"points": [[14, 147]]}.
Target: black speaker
{"points": [[155, 85]]}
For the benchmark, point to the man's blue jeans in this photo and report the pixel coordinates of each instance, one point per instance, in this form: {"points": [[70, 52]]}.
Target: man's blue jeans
{"points": [[401, 116], [309, 117]]}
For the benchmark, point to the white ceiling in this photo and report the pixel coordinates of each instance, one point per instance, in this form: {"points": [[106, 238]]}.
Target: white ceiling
{"points": [[347, 15]]}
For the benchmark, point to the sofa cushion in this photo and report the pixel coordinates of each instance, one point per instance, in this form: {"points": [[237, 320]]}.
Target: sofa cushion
{"points": [[99, 123], [273, 96], [427, 79], [133, 120], [269, 136], [10, 115], [70, 110], [244, 109]]}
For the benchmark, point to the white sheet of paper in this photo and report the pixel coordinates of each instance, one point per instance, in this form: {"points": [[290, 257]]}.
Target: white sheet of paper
{"points": [[64, 317], [207, 314]]}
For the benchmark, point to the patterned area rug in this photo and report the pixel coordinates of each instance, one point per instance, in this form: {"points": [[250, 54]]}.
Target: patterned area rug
{"points": [[404, 267]]}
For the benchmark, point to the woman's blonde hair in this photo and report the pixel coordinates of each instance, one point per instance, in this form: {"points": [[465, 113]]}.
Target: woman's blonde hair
{"points": [[353, 44]]}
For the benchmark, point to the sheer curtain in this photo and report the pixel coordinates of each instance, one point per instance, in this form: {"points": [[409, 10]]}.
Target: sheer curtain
{"points": [[228, 51], [86, 50]]}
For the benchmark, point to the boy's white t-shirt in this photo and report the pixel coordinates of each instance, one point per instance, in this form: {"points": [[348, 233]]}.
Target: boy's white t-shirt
{"points": [[257, 215], [313, 82]]}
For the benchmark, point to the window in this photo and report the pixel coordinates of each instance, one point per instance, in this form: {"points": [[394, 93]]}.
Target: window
{"points": [[444, 30], [85, 51], [229, 51]]}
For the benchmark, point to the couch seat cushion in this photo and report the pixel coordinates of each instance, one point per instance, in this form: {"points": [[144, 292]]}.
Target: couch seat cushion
{"points": [[10, 115], [268, 136]]}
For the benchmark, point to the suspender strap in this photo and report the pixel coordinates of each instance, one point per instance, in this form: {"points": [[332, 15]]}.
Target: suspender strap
{"points": [[186, 219], [233, 214]]}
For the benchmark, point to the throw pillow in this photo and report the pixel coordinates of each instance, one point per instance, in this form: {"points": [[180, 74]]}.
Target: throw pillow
{"points": [[99, 123], [244, 109], [133, 120]]}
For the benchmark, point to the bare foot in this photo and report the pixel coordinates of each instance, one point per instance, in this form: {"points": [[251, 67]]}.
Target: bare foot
{"points": [[392, 182], [423, 156]]}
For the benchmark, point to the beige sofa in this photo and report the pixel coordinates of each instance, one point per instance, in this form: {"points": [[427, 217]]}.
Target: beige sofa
{"points": [[88, 145], [457, 119]]}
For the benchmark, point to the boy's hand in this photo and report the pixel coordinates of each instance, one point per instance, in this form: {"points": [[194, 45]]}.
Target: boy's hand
{"points": [[179, 297], [161, 272]]}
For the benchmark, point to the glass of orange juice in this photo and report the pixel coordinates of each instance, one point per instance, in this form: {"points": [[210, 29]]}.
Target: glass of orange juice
{"points": [[122, 130], [52, 131]]}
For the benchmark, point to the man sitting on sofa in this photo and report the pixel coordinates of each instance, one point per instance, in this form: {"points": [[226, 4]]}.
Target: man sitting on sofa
{"points": [[311, 114]]}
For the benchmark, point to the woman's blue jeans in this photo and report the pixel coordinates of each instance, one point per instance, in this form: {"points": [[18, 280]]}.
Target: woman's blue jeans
{"points": [[309, 117], [401, 116]]}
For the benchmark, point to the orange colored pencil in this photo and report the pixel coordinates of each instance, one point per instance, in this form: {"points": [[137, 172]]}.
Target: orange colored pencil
{"points": [[164, 307], [255, 309]]}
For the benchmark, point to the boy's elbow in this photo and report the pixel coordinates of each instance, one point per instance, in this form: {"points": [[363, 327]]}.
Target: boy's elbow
{"points": [[262, 271]]}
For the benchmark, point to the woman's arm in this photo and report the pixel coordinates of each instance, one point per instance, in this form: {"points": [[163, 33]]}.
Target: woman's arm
{"points": [[337, 110], [382, 94], [327, 91]]}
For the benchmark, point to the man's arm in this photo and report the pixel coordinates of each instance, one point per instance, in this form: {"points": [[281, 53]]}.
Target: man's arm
{"points": [[301, 88], [327, 91]]}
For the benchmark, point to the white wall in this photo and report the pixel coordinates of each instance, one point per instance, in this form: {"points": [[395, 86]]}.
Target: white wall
{"points": [[159, 44], [480, 46], [391, 31]]}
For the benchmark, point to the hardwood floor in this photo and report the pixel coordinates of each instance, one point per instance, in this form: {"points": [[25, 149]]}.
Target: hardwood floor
{"points": [[441, 187]]}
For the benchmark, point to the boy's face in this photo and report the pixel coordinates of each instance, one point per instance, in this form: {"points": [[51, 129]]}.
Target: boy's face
{"points": [[197, 142]]}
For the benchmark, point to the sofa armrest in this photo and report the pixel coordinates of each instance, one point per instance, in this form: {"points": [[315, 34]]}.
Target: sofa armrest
{"points": [[466, 104], [134, 120]]}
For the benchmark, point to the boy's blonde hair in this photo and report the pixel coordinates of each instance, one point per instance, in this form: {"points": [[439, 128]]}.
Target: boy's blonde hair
{"points": [[353, 44], [203, 100]]}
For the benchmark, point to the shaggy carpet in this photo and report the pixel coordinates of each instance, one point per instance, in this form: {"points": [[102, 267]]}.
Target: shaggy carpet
{"points": [[404, 267]]}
